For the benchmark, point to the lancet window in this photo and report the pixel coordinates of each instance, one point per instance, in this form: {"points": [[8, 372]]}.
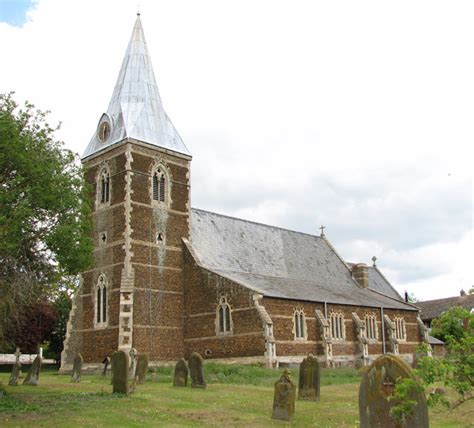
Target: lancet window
{"points": [[104, 186], [336, 320], [224, 319], [159, 185], [101, 301], [299, 324], [400, 330], [371, 326]]}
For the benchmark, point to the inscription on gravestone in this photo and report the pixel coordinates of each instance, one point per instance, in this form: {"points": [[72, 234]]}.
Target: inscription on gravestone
{"points": [[181, 373], [77, 368], [196, 368], [33, 374], [120, 368], [284, 398], [142, 367], [309, 380], [376, 388]]}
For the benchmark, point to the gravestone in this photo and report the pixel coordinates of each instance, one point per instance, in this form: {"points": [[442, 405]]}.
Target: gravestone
{"points": [[309, 381], [16, 370], [133, 363], [376, 388], [33, 374], [120, 369], [284, 398], [181, 373], [77, 368], [196, 368], [142, 367]]}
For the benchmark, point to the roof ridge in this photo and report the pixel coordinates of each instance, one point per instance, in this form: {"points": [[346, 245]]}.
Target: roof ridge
{"points": [[255, 222]]}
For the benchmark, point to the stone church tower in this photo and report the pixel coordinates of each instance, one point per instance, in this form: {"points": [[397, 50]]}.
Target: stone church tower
{"points": [[138, 171]]}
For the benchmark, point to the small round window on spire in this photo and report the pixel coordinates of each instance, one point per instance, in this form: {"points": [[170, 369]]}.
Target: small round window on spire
{"points": [[104, 131]]}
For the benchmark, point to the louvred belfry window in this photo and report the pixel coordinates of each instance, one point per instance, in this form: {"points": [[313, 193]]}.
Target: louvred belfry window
{"points": [[159, 186], [104, 185]]}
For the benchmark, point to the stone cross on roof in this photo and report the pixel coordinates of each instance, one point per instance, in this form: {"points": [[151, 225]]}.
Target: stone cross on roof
{"points": [[321, 228]]}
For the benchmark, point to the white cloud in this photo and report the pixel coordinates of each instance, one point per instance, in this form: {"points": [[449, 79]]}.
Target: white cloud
{"points": [[357, 115]]}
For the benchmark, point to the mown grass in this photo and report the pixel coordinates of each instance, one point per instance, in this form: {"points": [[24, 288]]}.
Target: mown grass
{"points": [[236, 396]]}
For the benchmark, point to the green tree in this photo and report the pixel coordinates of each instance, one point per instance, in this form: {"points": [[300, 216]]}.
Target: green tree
{"points": [[452, 325], [45, 222]]}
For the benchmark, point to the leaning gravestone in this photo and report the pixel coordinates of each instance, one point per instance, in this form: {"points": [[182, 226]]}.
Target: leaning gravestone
{"points": [[33, 374], [181, 373], [120, 368], [77, 368], [142, 367], [284, 398], [16, 369], [309, 381], [197, 374], [376, 388]]}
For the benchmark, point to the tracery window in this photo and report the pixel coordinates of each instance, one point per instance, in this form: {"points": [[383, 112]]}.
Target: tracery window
{"points": [[371, 326], [336, 321], [104, 186], [400, 330], [101, 301], [224, 320], [159, 185], [299, 324]]}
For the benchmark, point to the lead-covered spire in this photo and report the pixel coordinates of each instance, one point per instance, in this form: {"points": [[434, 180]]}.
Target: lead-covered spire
{"points": [[135, 109]]}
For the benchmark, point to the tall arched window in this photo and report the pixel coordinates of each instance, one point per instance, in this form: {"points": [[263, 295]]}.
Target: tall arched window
{"points": [[104, 186], [101, 301], [224, 320], [299, 324], [159, 185], [400, 330], [338, 330], [371, 326]]}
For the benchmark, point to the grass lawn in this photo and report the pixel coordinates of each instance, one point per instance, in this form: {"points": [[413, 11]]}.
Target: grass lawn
{"points": [[236, 396]]}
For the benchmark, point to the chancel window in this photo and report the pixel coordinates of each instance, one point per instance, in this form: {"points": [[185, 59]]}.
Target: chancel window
{"points": [[371, 326], [336, 321], [101, 301], [224, 320], [400, 330], [299, 324], [159, 183], [104, 186]]}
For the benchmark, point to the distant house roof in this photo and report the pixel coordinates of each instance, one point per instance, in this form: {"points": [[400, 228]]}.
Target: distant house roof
{"points": [[434, 308], [433, 341], [279, 263]]}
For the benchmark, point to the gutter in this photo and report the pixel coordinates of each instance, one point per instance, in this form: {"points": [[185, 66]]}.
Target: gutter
{"points": [[383, 329]]}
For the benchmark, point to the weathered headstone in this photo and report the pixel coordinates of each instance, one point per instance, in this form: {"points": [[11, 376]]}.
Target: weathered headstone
{"points": [[197, 373], [33, 374], [309, 381], [142, 367], [77, 368], [376, 388], [120, 368], [181, 373], [284, 398], [133, 363], [16, 370]]}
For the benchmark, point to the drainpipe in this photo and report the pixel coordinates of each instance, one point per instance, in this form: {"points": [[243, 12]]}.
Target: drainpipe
{"points": [[326, 310], [383, 329]]}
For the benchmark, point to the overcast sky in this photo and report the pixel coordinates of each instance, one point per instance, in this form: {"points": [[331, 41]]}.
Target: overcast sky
{"points": [[358, 115]]}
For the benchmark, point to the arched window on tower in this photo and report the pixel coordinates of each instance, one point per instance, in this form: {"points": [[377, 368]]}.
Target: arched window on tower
{"points": [[159, 185], [224, 319], [101, 314], [104, 186]]}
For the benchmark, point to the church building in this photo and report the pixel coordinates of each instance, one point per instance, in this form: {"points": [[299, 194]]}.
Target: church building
{"points": [[169, 279]]}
